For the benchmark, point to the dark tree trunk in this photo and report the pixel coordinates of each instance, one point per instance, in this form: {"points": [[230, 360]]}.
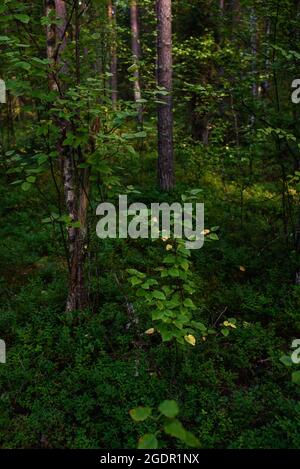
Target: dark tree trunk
{"points": [[254, 48], [164, 80], [136, 52]]}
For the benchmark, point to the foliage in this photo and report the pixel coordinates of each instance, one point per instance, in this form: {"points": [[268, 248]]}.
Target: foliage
{"points": [[208, 330], [168, 411]]}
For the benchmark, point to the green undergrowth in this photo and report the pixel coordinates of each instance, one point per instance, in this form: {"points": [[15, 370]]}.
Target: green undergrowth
{"points": [[71, 378]]}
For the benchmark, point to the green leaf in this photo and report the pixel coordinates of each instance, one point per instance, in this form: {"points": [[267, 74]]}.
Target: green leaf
{"points": [[166, 334], [225, 332], [296, 377], [169, 408], [196, 191], [31, 179], [173, 272], [176, 429], [135, 281], [158, 315], [75, 224], [148, 441], [159, 295], [199, 325], [139, 414], [184, 264], [42, 159], [188, 303], [26, 186], [23, 18], [286, 360], [191, 440], [142, 134], [136, 273], [169, 260], [23, 65], [133, 68]]}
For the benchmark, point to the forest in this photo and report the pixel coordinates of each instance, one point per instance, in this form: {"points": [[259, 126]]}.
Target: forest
{"points": [[150, 224]]}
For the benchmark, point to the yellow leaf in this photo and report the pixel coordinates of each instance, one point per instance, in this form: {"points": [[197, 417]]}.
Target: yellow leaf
{"points": [[205, 232], [242, 268], [190, 339], [150, 331], [169, 247], [229, 324]]}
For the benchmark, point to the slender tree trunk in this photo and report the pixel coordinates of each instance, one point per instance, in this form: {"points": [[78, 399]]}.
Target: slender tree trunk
{"points": [[266, 83], [164, 80], [51, 44], [61, 12], [112, 18], [75, 189], [136, 53], [77, 206], [254, 46]]}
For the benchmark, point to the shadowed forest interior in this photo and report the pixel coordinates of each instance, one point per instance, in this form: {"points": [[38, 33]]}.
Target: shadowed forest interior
{"points": [[123, 342]]}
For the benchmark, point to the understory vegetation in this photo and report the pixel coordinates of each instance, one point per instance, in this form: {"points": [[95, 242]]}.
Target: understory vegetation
{"points": [[209, 328], [71, 378]]}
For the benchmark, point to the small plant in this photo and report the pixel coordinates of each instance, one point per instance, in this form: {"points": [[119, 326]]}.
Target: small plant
{"points": [[228, 325], [169, 299], [292, 360], [168, 293], [167, 423]]}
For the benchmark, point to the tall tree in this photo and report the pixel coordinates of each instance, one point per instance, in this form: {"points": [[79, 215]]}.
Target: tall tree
{"points": [[254, 49], [164, 82], [136, 53], [112, 18], [75, 180]]}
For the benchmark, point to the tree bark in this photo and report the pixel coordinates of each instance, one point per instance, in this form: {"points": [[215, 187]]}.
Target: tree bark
{"points": [[75, 191], [51, 44], [112, 18], [136, 53], [254, 47], [164, 80]]}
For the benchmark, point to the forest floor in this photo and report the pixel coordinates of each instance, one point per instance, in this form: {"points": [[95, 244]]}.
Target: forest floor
{"points": [[71, 378]]}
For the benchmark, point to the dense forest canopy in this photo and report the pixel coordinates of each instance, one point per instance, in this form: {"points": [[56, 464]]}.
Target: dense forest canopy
{"points": [[137, 338]]}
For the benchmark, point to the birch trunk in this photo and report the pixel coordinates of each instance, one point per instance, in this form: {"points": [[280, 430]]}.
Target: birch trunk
{"points": [[112, 17], [75, 191], [51, 44], [164, 80], [136, 53], [254, 46]]}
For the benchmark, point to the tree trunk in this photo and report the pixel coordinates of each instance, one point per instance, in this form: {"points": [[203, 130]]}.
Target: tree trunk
{"points": [[75, 191], [61, 12], [112, 18], [136, 53], [164, 80], [77, 205], [254, 47], [51, 44]]}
